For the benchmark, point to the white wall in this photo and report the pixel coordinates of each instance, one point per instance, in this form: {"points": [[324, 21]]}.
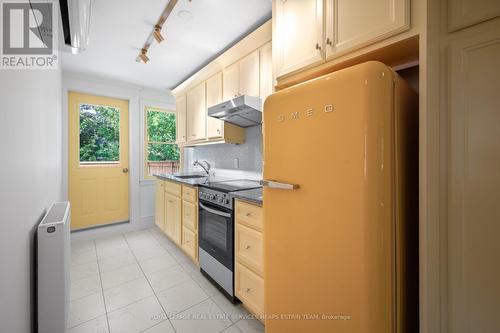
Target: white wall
{"points": [[141, 196], [30, 179]]}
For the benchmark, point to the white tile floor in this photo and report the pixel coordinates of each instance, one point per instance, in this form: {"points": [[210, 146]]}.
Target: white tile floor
{"points": [[141, 282]]}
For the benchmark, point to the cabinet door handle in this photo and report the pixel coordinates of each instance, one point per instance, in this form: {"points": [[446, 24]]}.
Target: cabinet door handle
{"points": [[248, 214], [170, 201], [247, 247], [328, 41], [318, 47], [248, 290]]}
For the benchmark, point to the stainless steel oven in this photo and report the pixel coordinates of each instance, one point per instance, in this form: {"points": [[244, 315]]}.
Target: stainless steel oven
{"points": [[216, 232]]}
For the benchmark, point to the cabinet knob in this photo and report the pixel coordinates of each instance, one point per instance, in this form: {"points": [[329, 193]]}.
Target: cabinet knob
{"points": [[248, 214], [248, 290], [329, 41], [318, 47], [247, 247]]}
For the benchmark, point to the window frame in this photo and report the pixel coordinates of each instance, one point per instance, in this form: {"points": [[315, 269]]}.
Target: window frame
{"points": [[84, 164], [146, 108]]}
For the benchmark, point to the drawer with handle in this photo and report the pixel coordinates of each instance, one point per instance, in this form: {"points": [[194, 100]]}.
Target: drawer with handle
{"points": [[189, 242], [173, 188], [249, 215], [249, 288], [189, 215], [249, 248], [189, 193]]}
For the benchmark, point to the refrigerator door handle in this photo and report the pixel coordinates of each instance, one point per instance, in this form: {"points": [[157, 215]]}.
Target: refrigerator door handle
{"points": [[277, 185]]}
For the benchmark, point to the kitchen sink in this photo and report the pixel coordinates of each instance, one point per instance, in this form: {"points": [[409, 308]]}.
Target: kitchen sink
{"points": [[189, 176]]}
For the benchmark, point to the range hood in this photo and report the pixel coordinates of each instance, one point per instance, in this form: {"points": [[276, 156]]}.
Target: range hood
{"points": [[244, 111]]}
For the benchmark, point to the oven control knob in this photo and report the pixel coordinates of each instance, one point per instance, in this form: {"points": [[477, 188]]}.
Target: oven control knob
{"points": [[226, 201], [211, 197], [219, 199]]}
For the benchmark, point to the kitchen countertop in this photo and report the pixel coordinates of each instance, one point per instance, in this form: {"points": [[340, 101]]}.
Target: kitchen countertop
{"points": [[187, 181], [191, 181], [253, 196]]}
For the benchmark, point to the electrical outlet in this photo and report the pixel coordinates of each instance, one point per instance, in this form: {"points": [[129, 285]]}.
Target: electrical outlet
{"points": [[236, 163]]}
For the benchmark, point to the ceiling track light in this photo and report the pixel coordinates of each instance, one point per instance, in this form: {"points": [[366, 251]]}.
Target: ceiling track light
{"points": [[155, 34], [143, 56]]}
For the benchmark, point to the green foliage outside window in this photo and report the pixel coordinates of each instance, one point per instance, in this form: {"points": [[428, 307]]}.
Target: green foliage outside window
{"points": [[99, 133], [161, 135]]}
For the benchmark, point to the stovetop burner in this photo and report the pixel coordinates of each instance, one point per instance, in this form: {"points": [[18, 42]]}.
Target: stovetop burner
{"points": [[219, 193]]}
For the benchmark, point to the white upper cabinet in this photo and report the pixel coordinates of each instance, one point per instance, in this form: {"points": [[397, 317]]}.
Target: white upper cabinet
{"points": [[352, 24], [214, 97], [231, 82], [181, 119], [298, 39], [249, 74], [196, 113], [266, 71], [464, 13], [310, 32]]}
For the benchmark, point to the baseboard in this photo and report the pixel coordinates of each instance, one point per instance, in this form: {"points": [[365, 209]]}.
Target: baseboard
{"points": [[148, 221], [113, 229]]}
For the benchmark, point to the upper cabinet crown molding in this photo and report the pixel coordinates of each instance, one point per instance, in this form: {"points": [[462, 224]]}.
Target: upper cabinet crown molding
{"points": [[308, 33], [464, 13]]}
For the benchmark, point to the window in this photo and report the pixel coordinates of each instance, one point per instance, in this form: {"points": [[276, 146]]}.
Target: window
{"points": [[99, 134], [162, 154]]}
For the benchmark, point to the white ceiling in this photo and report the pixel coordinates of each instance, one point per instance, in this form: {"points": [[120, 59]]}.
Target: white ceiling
{"points": [[119, 28]]}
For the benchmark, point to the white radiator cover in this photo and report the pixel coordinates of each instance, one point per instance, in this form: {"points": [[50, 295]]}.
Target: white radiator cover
{"points": [[53, 269]]}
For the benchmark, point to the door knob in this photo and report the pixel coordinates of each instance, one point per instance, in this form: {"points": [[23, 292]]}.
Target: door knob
{"points": [[125, 170]]}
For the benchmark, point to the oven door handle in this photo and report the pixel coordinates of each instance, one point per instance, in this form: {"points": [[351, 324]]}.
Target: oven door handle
{"points": [[214, 211]]}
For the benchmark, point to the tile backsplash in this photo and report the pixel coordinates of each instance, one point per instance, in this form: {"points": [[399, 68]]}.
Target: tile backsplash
{"points": [[248, 156]]}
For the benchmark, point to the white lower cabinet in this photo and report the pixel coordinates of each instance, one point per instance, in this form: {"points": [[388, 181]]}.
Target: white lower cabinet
{"points": [[176, 214], [249, 253]]}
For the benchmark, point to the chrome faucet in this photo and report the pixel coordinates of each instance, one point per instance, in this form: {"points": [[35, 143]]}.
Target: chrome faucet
{"points": [[205, 167]]}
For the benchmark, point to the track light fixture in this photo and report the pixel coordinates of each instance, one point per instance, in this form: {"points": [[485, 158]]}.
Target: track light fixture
{"points": [[157, 34], [143, 56]]}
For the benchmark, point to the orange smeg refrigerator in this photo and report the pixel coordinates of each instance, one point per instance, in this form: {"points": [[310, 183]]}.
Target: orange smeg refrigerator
{"points": [[341, 204]]}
